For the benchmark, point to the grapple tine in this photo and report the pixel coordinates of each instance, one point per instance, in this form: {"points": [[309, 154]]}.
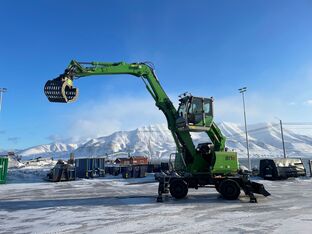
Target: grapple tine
{"points": [[61, 90]]}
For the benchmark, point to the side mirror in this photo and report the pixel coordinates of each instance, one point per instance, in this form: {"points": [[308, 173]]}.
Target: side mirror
{"points": [[61, 90]]}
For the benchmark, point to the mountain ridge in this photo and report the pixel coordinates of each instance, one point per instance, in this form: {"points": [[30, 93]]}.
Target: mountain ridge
{"points": [[155, 141]]}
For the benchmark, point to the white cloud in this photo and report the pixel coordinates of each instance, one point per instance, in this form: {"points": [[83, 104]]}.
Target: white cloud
{"points": [[259, 108], [114, 114], [308, 102], [228, 109]]}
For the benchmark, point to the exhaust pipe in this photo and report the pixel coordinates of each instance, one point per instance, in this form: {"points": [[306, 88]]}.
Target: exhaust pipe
{"points": [[61, 90]]}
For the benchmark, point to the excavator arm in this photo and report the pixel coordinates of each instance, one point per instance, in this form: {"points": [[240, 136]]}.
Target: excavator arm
{"points": [[61, 89]]}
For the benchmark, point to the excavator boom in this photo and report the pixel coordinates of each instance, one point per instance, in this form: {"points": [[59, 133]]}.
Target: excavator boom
{"points": [[61, 89]]}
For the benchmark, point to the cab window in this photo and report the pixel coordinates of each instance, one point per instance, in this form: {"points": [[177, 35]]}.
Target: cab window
{"points": [[196, 106], [207, 106]]}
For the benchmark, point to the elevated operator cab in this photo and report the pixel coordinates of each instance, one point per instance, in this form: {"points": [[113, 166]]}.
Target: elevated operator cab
{"points": [[194, 113]]}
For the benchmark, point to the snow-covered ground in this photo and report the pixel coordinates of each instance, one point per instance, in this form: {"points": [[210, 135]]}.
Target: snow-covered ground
{"points": [[115, 205]]}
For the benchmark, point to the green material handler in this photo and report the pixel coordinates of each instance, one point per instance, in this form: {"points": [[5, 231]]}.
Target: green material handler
{"points": [[207, 164]]}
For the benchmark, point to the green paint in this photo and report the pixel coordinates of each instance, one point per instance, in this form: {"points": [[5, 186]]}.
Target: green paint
{"points": [[226, 163]]}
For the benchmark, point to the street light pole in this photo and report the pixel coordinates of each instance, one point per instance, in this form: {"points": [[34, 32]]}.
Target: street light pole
{"points": [[2, 90], [282, 133], [242, 91]]}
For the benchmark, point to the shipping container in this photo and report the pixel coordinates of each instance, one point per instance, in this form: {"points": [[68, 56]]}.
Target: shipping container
{"points": [[127, 172], [143, 171], [90, 167], [83, 168], [99, 165], [113, 170], [3, 169], [150, 168], [136, 171]]}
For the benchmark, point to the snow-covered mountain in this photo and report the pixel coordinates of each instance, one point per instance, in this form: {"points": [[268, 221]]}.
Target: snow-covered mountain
{"points": [[265, 140], [155, 141], [152, 141], [49, 150]]}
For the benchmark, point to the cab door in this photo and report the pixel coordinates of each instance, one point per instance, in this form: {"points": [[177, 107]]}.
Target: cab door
{"points": [[196, 113]]}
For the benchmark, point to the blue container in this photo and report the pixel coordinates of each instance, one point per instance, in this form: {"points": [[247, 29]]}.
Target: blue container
{"points": [[109, 170], [115, 171], [127, 172], [90, 167], [99, 166], [123, 169], [112, 170], [83, 168], [143, 171], [136, 171], [150, 168]]}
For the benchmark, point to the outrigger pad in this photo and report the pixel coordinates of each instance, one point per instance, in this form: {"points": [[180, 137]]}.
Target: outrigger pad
{"points": [[259, 188], [61, 90]]}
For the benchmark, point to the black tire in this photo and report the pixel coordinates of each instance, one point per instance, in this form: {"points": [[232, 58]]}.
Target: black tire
{"points": [[178, 189], [229, 189]]}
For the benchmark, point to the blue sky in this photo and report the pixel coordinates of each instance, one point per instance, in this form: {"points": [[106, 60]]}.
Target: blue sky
{"points": [[210, 48]]}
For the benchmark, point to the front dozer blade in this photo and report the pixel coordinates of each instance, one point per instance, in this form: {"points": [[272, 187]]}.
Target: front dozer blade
{"points": [[259, 188], [61, 90]]}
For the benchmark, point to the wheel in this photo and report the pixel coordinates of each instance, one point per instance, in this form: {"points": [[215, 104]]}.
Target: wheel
{"points": [[229, 189], [217, 187], [178, 189]]}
